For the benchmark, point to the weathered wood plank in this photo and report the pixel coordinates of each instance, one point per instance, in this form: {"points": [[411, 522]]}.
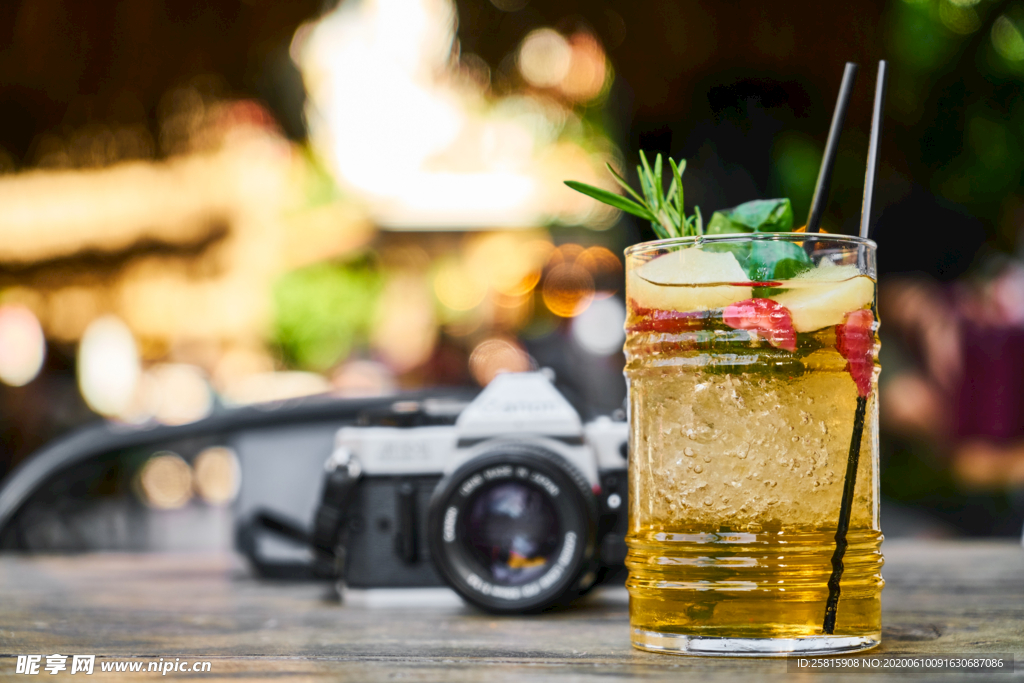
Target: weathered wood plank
{"points": [[939, 598]]}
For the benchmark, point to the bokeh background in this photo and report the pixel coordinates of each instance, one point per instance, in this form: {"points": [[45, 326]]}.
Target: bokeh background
{"points": [[211, 204]]}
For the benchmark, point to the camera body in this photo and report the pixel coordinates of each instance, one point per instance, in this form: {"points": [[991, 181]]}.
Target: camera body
{"points": [[510, 500]]}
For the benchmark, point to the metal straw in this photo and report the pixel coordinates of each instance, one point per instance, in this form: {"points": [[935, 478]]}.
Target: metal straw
{"points": [[850, 482], [876, 135], [828, 161]]}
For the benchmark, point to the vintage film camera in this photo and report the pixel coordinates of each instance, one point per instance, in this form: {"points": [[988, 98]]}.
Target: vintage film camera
{"points": [[510, 500]]}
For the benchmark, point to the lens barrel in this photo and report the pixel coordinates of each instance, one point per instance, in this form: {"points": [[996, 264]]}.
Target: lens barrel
{"points": [[513, 530]]}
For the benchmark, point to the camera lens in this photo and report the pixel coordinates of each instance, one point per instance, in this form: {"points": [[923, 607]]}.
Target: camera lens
{"points": [[513, 529]]}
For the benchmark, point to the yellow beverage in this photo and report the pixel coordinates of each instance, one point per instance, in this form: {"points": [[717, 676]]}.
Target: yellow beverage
{"points": [[742, 410]]}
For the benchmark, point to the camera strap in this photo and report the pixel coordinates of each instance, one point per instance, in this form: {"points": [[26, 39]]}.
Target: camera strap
{"points": [[327, 539], [330, 524]]}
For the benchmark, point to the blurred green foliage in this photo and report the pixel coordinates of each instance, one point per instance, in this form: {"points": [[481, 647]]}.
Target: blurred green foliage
{"points": [[321, 312], [920, 42], [796, 159], [956, 92], [319, 185]]}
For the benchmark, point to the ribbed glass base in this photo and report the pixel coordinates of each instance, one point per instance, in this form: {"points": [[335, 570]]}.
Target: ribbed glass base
{"points": [[674, 643]]}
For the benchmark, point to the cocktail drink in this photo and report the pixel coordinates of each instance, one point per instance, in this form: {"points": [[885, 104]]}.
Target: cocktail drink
{"points": [[753, 405]]}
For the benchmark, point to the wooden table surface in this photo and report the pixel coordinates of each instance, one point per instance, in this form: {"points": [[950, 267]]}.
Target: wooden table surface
{"points": [[940, 597]]}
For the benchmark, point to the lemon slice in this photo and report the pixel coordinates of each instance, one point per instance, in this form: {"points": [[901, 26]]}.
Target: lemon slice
{"points": [[688, 280], [829, 272], [827, 301]]}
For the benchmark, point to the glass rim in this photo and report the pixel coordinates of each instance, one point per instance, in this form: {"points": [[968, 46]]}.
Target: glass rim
{"points": [[850, 240]]}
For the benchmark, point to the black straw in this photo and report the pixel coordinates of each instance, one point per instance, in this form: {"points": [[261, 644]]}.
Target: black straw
{"points": [[845, 510], [850, 482], [876, 135], [828, 161]]}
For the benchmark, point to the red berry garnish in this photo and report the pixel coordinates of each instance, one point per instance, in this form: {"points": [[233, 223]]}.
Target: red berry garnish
{"points": [[660, 320], [855, 343], [766, 316], [638, 310]]}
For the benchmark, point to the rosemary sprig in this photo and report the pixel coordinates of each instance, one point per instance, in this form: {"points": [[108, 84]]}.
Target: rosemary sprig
{"points": [[664, 209]]}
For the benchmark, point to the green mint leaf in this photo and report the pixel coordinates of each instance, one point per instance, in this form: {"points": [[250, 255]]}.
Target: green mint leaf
{"points": [[720, 224], [765, 261], [766, 215], [761, 215], [773, 260], [612, 199]]}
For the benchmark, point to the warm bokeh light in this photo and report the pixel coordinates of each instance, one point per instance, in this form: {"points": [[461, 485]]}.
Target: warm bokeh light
{"points": [[576, 66], [108, 366], [565, 253], [177, 393], [237, 363], [567, 289], [359, 378], [22, 346], [217, 475], [503, 261], [512, 312], [183, 249], [405, 329], [455, 287], [466, 158], [599, 329], [536, 253], [494, 356], [606, 269], [587, 75], [165, 481], [544, 58]]}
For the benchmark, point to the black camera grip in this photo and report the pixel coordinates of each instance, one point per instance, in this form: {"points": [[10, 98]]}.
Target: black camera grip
{"points": [[330, 526], [327, 540]]}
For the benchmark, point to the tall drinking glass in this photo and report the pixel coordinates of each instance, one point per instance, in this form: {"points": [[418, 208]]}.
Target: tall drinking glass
{"points": [[753, 507]]}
